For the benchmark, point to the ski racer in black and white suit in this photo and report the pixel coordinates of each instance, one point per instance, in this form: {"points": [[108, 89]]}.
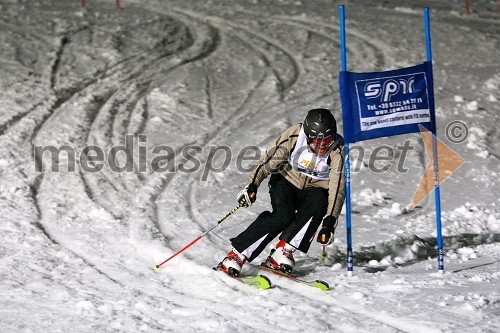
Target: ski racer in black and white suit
{"points": [[306, 187]]}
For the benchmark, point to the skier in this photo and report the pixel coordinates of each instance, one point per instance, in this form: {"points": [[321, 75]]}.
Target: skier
{"points": [[307, 188]]}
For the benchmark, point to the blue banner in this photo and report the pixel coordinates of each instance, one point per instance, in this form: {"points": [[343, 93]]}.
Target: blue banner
{"points": [[387, 103]]}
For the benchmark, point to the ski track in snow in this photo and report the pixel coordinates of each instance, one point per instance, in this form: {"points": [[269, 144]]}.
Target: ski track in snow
{"points": [[78, 247]]}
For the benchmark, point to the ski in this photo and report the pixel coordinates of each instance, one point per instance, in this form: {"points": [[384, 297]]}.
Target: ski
{"points": [[257, 281], [320, 284]]}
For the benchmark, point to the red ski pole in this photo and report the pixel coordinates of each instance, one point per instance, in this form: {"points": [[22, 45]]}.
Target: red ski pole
{"points": [[156, 267]]}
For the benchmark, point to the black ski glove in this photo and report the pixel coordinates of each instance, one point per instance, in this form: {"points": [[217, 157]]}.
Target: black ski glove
{"points": [[327, 230], [247, 196]]}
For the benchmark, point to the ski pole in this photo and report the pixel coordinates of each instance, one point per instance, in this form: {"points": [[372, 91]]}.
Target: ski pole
{"points": [[156, 267], [323, 254]]}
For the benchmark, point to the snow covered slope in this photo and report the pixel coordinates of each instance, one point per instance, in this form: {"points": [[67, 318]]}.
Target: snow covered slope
{"points": [[205, 79]]}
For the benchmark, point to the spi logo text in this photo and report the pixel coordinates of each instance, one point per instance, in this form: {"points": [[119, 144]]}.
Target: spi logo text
{"points": [[388, 88]]}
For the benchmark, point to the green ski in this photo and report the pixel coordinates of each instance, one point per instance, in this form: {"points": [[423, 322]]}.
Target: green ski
{"points": [[257, 281], [320, 284]]}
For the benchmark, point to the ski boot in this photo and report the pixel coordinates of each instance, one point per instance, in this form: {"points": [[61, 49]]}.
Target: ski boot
{"points": [[281, 258], [232, 263]]}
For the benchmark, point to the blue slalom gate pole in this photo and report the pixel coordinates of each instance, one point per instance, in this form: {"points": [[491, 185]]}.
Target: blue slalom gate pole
{"points": [[437, 194], [347, 165]]}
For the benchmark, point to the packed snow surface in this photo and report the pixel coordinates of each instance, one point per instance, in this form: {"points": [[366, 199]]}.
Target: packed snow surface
{"points": [[210, 84]]}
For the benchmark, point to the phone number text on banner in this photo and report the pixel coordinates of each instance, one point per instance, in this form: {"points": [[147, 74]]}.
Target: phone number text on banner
{"points": [[386, 103]]}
